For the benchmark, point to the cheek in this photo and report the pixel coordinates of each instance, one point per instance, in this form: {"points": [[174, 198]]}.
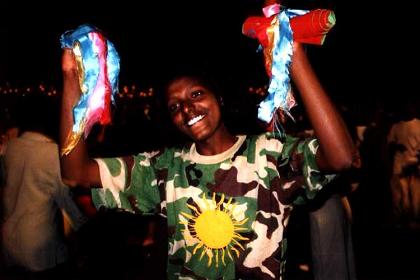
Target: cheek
{"points": [[217, 115], [177, 120]]}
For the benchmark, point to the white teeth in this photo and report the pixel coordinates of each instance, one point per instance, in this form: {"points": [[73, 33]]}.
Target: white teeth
{"points": [[194, 120]]}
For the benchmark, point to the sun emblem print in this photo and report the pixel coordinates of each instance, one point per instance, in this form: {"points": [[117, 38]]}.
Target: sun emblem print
{"points": [[215, 229]]}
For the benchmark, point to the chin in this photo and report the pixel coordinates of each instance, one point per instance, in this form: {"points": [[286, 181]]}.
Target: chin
{"points": [[200, 137]]}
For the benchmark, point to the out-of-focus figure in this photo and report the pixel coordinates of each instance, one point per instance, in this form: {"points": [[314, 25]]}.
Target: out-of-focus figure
{"points": [[404, 144], [34, 196]]}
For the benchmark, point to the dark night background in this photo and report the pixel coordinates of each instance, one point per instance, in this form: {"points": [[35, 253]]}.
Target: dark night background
{"points": [[368, 58], [154, 38]]}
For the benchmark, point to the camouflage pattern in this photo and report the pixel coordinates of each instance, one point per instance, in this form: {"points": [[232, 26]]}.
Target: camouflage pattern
{"points": [[256, 182]]}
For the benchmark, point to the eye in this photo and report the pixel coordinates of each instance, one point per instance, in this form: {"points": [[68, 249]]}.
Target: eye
{"points": [[196, 93], [173, 107]]}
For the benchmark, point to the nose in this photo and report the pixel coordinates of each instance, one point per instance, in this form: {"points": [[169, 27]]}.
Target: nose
{"points": [[187, 107]]}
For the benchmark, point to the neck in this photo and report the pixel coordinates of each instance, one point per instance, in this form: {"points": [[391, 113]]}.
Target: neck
{"points": [[216, 144]]}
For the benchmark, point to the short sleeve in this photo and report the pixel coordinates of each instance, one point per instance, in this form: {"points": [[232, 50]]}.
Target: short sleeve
{"points": [[298, 160], [112, 172], [128, 183]]}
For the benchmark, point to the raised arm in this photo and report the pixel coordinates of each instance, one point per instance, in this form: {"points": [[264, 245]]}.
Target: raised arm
{"points": [[336, 151], [76, 167]]}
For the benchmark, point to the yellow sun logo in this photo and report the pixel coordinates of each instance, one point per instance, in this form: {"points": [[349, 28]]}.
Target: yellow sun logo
{"points": [[215, 229]]}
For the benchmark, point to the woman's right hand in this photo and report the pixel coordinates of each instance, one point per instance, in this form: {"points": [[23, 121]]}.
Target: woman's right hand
{"points": [[68, 61], [70, 77]]}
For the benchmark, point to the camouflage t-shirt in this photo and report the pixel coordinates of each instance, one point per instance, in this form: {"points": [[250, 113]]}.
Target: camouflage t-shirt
{"points": [[226, 213]]}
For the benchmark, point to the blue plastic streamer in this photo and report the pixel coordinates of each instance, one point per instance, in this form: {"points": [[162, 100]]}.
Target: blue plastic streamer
{"points": [[91, 69], [279, 87]]}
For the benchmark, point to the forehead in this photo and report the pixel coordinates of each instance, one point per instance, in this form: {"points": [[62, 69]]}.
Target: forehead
{"points": [[182, 84]]}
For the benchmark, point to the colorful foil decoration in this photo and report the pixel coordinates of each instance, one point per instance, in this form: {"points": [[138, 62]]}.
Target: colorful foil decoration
{"points": [[276, 32], [98, 65]]}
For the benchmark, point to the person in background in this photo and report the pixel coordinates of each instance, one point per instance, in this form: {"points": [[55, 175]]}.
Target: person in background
{"points": [[404, 146], [35, 197]]}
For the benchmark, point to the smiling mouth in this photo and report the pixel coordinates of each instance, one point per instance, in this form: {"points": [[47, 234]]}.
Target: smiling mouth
{"points": [[195, 120]]}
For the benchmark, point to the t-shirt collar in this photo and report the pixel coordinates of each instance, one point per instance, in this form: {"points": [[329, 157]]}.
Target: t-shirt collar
{"points": [[198, 158]]}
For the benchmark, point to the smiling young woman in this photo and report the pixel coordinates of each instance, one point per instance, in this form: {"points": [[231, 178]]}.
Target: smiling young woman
{"points": [[226, 197]]}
